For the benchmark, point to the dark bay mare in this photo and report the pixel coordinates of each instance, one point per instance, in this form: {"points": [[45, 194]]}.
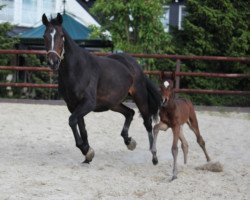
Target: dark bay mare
{"points": [[90, 83]]}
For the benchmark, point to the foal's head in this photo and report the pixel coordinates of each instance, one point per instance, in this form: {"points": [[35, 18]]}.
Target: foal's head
{"points": [[167, 91], [54, 40]]}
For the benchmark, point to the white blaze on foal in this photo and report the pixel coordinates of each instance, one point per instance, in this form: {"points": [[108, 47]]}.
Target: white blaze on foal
{"points": [[166, 84]]}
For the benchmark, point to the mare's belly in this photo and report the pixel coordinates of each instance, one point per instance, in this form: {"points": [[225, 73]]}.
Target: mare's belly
{"points": [[113, 88]]}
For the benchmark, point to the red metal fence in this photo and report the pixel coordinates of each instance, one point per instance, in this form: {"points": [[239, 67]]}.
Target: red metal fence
{"points": [[176, 74]]}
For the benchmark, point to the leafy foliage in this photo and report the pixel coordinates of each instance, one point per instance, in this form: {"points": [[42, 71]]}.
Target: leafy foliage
{"points": [[135, 26], [216, 28], [6, 42]]}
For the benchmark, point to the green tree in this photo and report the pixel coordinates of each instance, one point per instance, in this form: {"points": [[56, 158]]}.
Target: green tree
{"points": [[216, 28], [6, 42], [135, 26]]}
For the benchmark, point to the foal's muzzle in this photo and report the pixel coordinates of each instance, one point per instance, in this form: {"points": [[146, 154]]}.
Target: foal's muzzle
{"points": [[164, 102]]}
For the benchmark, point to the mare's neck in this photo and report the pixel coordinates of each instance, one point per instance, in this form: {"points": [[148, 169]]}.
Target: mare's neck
{"points": [[71, 47], [69, 44]]}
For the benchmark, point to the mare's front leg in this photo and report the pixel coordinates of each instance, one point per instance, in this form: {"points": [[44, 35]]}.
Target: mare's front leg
{"points": [[160, 126], [88, 151], [83, 108]]}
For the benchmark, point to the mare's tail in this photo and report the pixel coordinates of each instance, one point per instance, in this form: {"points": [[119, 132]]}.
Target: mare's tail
{"points": [[154, 98]]}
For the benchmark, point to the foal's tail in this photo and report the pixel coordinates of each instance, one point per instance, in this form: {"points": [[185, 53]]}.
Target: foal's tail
{"points": [[154, 98]]}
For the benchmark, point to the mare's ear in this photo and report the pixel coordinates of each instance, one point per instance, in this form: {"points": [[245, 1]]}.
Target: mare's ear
{"points": [[59, 18], [45, 20]]}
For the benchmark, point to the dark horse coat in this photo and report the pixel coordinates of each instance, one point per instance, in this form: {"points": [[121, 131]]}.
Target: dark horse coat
{"points": [[90, 83]]}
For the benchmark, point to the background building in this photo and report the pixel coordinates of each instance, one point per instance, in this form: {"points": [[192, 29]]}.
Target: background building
{"points": [[25, 16]]}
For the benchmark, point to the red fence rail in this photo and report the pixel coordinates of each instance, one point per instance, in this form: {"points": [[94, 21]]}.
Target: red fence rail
{"points": [[177, 74]]}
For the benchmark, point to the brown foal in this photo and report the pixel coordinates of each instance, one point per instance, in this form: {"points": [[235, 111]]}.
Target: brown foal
{"points": [[174, 113]]}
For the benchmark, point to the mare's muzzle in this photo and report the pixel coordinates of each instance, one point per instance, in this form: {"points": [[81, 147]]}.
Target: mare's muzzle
{"points": [[53, 61]]}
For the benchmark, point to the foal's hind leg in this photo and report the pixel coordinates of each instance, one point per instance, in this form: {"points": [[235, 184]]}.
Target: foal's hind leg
{"points": [[160, 126], [128, 114], [193, 124]]}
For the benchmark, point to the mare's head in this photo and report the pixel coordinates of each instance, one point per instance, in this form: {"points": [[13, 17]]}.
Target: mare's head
{"points": [[167, 91], [54, 40]]}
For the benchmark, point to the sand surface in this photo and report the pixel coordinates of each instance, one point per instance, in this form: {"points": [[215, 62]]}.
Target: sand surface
{"points": [[39, 160]]}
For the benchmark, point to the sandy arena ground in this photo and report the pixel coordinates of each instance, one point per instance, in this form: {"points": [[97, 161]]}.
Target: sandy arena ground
{"points": [[39, 160]]}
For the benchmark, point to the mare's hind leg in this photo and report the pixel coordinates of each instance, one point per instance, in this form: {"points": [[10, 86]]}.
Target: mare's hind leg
{"points": [[193, 125], [160, 126], [142, 104], [128, 114], [184, 144]]}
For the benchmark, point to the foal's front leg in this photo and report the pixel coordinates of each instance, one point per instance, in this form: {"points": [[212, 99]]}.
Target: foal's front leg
{"points": [[176, 132], [77, 118], [160, 126], [184, 144]]}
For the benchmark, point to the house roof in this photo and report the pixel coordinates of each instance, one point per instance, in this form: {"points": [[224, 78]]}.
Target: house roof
{"points": [[76, 30]]}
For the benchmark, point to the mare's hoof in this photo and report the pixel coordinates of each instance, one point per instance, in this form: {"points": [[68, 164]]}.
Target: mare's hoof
{"points": [[89, 156], [131, 146], [155, 161]]}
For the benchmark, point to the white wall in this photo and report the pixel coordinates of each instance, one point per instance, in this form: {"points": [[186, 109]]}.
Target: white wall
{"points": [[28, 13]]}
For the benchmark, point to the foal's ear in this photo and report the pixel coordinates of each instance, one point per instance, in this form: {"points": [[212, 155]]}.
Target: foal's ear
{"points": [[45, 20], [171, 83], [59, 18]]}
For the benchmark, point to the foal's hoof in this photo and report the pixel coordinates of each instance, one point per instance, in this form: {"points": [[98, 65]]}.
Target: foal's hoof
{"points": [[155, 161], [131, 146], [89, 156], [173, 178]]}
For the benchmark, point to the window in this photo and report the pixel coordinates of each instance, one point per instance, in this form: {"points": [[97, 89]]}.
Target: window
{"points": [[29, 10], [6, 13], [182, 14], [165, 18]]}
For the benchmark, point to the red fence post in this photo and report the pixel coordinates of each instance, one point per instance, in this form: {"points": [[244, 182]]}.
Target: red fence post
{"points": [[177, 78]]}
